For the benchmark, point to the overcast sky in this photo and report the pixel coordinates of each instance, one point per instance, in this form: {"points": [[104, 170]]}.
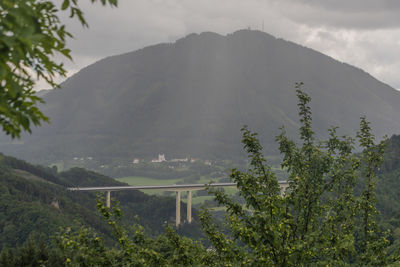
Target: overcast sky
{"points": [[364, 33]]}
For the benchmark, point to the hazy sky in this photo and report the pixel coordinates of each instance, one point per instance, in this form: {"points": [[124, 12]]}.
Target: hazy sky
{"points": [[364, 33]]}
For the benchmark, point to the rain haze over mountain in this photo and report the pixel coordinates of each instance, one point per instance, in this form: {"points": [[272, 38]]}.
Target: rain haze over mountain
{"points": [[191, 97]]}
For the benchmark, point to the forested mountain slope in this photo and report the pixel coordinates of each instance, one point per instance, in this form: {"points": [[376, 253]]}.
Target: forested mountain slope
{"points": [[388, 186], [34, 201]]}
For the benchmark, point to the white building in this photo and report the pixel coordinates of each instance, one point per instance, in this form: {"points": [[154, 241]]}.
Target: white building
{"points": [[161, 158]]}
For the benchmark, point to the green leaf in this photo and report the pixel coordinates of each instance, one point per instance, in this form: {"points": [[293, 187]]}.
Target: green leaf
{"points": [[65, 5]]}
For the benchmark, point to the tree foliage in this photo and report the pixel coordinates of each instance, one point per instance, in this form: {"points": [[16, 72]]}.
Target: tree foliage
{"points": [[133, 248], [31, 35], [319, 220]]}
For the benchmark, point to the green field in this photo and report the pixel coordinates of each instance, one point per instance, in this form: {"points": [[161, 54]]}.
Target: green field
{"points": [[140, 180]]}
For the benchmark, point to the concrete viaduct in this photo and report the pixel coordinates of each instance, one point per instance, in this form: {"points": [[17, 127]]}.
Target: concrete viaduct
{"points": [[176, 188]]}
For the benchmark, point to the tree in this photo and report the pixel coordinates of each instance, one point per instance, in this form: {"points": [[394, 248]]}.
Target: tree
{"points": [[31, 35], [319, 220], [132, 248]]}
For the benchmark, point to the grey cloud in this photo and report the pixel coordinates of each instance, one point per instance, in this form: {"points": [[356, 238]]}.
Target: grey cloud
{"points": [[355, 14], [352, 5], [374, 51]]}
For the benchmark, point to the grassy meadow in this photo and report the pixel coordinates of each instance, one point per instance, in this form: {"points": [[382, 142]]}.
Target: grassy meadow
{"points": [[196, 200]]}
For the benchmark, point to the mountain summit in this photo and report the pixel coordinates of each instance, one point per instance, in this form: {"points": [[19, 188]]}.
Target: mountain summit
{"points": [[191, 97]]}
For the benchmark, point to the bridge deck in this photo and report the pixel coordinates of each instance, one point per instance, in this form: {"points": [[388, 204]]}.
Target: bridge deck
{"points": [[175, 187], [142, 187]]}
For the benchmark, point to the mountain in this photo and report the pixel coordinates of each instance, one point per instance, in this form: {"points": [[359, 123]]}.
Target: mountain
{"points": [[34, 201], [191, 98], [42, 92]]}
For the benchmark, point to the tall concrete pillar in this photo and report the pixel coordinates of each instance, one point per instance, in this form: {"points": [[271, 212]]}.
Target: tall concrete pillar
{"points": [[178, 208], [189, 206], [283, 188], [108, 199]]}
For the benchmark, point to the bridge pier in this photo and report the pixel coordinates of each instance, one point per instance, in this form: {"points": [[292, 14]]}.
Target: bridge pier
{"points": [[178, 209], [189, 206], [108, 203]]}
